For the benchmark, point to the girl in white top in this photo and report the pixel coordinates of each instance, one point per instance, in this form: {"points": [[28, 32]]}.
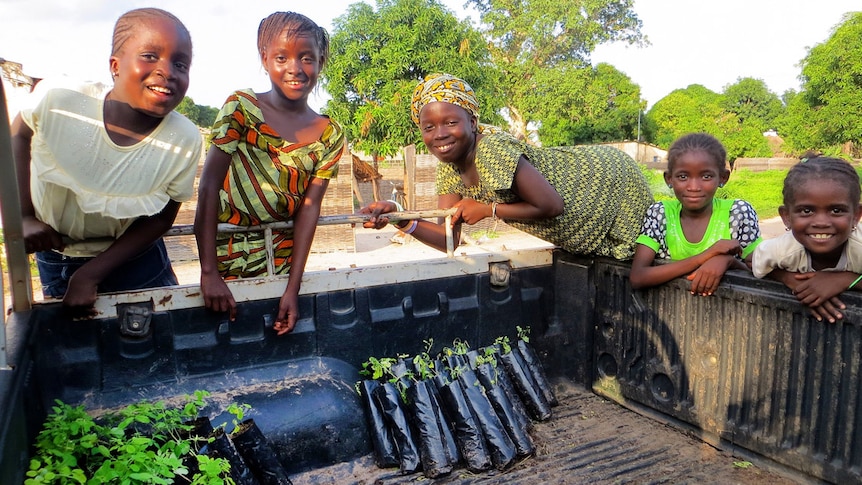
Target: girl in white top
{"points": [[110, 164], [821, 255]]}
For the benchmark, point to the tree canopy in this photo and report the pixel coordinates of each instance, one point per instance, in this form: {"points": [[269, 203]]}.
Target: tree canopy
{"points": [[699, 109], [753, 103], [827, 111], [529, 37], [203, 116], [586, 105], [378, 56]]}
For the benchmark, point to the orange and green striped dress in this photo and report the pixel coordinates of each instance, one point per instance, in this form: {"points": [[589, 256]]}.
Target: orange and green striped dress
{"points": [[266, 182]]}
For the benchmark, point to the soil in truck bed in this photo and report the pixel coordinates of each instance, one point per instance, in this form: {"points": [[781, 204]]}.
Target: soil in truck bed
{"points": [[588, 440]]}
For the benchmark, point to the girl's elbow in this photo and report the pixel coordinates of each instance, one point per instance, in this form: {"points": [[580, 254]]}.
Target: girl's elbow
{"points": [[636, 282]]}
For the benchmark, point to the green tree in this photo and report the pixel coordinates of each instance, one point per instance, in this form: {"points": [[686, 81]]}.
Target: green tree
{"points": [[696, 109], [379, 56], [599, 104], [202, 116], [753, 103], [531, 36], [188, 108], [693, 109], [206, 116], [832, 87], [797, 125]]}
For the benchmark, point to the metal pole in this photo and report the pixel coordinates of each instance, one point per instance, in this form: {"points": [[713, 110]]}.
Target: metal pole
{"points": [[13, 232], [188, 229], [10, 211]]}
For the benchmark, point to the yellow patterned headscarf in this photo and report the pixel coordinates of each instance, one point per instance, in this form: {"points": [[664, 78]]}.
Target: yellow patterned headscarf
{"points": [[447, 89]]}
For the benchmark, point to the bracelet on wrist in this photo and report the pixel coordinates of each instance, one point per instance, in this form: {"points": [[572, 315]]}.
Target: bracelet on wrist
{"points": [[494, 211], [854, 282], [413, 225]]}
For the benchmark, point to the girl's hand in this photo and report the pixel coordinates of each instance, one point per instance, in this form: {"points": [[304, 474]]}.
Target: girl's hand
{"points": [[705, 279], [377, 209], [470, 211], [821, 289], [288, 313], [81, 295], [217, 296], [726, 246], [39, 236], [829, 310]]}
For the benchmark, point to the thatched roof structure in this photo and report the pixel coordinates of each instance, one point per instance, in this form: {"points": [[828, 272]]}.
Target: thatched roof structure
{"points": [[364, 171]]}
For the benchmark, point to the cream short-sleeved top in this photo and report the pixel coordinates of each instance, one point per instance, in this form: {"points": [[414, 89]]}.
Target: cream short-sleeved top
{"points": [[86, 186], [785, 252]]}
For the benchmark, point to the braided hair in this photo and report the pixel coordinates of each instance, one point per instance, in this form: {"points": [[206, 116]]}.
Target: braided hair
{"points": [[129, 21], [697, 142], [822, 168], [293, 24]]}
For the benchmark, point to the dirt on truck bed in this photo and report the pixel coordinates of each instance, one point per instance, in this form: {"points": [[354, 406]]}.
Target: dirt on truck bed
{"points": [[588, 440]]}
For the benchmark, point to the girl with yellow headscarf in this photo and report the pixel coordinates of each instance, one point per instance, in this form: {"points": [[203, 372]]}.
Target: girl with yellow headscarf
{"points": [[586, 199]]}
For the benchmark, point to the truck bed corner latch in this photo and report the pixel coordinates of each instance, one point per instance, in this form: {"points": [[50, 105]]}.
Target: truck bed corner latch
{"points": [[135, 319]]}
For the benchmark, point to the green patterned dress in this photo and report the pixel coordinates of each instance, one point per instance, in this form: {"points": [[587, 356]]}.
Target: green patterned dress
{"points": [[604, 192], [266, 182]]}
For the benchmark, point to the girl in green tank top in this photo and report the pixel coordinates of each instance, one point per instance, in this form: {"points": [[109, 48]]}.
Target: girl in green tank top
{"points": [[702, 236]]}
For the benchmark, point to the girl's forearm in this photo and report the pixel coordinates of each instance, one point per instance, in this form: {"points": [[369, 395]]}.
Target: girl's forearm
{"points": [[140, 235], [304, 228]]}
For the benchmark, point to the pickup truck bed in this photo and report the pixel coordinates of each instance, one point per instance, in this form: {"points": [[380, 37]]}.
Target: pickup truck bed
{"points": [[589, 440], [745, 369]]}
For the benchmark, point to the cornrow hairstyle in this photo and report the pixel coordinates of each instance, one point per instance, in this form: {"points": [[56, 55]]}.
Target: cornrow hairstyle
{"points": [[126, 24], [822, 168], [293, 24], [701, 142]]}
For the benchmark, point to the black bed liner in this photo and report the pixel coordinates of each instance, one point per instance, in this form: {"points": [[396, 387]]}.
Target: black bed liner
{"points": [[589, 440]]}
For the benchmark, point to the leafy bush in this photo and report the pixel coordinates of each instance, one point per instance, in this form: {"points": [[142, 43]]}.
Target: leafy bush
{"points": [[141, 443]]}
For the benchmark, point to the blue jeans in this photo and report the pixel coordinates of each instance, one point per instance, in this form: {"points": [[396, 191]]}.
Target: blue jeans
{"points": [[151, 269]]}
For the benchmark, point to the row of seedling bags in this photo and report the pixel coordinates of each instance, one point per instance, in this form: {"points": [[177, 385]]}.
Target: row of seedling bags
{"points": [[464, 406]]}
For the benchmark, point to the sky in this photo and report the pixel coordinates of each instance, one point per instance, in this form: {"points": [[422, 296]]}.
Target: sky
{"points": [[712, 43]]}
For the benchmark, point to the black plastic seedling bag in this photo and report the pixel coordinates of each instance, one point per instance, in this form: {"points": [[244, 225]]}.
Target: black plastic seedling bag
{"points": [[526, 386], [385, 451], [390, 403], [201, 428], [468, 433], [500, 446], [514, 397], [256, 451], [222, 447], [535, 367], [456, 361], [488, 376], [445, 425], [432, 447]]}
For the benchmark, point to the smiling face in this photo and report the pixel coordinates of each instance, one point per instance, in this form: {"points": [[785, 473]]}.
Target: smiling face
{"points": [[694, 177], [821, 217], [151, 71], [293, 64], [448, 131]]}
